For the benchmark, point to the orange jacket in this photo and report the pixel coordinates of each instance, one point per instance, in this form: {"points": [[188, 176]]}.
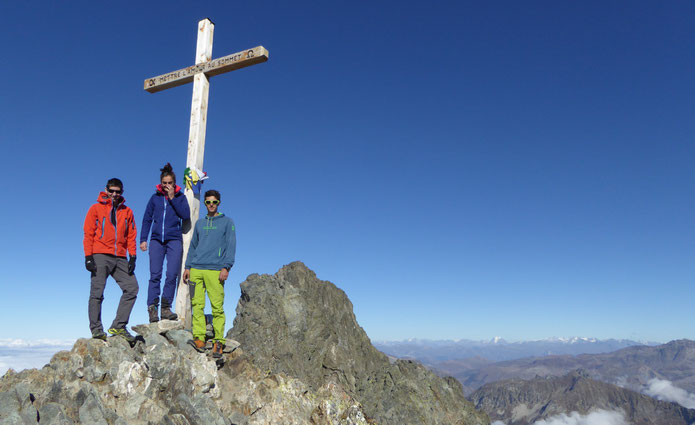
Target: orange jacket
{"points": [[101, 236]]}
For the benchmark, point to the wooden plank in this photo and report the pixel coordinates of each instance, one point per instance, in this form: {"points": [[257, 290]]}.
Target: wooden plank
{"points": [[211, 68], [196, 149]]}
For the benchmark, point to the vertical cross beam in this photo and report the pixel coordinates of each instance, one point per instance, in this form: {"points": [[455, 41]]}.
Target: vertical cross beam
{"points": [[196, 150], [199, 73]]}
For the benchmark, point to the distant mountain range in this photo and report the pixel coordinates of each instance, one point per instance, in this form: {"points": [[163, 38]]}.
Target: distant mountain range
{"points": [[519, 402], [431, 352], [632, 367]]}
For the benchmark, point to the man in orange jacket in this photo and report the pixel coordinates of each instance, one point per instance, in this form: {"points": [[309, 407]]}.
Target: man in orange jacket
{"points": [[109, 232]]}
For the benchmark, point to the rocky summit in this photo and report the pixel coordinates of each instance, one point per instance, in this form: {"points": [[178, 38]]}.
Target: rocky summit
{"points": [[315, 366], [162, 380], [294, 324]]}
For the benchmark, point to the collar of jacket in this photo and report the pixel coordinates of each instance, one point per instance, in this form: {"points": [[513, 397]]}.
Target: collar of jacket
{"points": [[160, 191], [218, 215], [105, 200]]}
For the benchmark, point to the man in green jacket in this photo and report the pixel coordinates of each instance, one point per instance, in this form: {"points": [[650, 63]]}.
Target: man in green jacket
{"points": [[210, 257]]}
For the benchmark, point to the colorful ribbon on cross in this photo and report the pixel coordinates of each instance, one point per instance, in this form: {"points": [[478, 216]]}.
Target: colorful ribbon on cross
{"points": [[194, 179]]}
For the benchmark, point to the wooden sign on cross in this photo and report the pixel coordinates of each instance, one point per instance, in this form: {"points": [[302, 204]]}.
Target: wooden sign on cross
{"points": [[200, 74]]}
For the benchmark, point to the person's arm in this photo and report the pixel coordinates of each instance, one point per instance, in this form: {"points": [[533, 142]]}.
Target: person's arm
{"points": [[230, 252], [147, 221], [180, 205], [192, 247], [131, 234], [90, 228]]}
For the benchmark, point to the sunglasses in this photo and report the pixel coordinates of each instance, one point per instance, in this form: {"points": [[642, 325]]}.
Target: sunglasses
{"points": [[116, 191], [213, 202]]}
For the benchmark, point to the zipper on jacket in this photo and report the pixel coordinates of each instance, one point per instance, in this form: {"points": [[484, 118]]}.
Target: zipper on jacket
{"points": [[102, 227], [219, 254], [115, 231], [164, 217]]}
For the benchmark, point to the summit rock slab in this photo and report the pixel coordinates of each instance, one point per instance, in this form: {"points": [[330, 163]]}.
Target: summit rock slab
{"points": [[293, 323]]}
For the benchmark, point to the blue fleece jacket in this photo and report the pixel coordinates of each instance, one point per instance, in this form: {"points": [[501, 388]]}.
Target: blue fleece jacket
{"points": [[213, 244], [164, 216]]}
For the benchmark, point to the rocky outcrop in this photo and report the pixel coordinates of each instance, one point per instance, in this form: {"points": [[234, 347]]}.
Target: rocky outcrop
{"points": [[300, 359], [164, 381], [519, 402], [294, 324]]}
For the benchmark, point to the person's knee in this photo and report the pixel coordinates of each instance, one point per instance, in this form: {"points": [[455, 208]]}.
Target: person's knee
{"points": [[132, 288], [96, 293]]}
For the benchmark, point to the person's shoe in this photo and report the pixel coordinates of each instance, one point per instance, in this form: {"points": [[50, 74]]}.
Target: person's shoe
{"points": [[197, 344], [124, 333], [152, 310], [167, 314], [99, 335], [217, 349]]}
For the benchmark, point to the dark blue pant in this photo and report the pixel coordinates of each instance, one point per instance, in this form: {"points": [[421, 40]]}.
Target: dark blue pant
{"points": [[173, 251]]}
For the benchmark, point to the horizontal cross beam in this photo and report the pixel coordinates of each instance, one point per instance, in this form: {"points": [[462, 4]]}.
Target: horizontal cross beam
{"points": [[214, 67]]}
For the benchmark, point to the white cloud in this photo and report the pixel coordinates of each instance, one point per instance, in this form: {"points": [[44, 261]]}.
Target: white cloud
{"points": [[622, 382], [663, 389], [598, 417], [21, 354], [16, 343]]}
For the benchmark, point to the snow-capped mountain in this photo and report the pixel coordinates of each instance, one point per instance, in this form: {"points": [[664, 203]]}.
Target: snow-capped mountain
{"points": [[498, 349]]}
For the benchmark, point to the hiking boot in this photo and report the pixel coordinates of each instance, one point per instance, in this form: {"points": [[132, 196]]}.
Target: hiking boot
{"points": [[197, 344], [217, 350], [152, 310], [167, 314], [99, 335], [124, 333]]}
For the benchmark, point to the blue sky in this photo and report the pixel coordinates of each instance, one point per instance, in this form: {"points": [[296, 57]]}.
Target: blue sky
{"points": [[459, 169]]}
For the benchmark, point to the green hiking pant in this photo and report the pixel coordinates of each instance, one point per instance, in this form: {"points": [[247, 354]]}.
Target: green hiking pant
{"points": [[200, 282]]}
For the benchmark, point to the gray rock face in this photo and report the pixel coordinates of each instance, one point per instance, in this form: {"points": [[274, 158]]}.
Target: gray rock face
{"points": [[161, 381], [519, 402], [294, 324]]}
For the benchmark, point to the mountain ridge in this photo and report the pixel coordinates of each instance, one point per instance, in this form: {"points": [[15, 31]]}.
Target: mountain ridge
{"points": [[282, 319], [432, 352], [523, 402], [314, 366]]}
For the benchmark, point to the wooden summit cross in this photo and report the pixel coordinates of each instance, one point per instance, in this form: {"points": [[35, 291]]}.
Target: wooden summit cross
{"points": [[200, 74]]}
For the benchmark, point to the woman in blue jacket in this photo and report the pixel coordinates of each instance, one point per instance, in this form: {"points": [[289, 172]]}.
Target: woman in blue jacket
{"points": [[165, 213]]}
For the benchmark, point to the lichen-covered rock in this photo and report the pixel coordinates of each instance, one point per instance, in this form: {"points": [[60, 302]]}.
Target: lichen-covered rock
{"points": [[325, 372], [158, 382], [160, 327], [295, 324]]}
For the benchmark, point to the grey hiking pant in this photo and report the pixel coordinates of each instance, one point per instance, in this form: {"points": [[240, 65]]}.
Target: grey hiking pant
{"points": [[109, 265]]}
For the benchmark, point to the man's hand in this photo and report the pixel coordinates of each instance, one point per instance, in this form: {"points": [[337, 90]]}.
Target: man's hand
{"points": [[224, 274], [143, 246], [89, 264], [131, 265], [186, 275]]}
